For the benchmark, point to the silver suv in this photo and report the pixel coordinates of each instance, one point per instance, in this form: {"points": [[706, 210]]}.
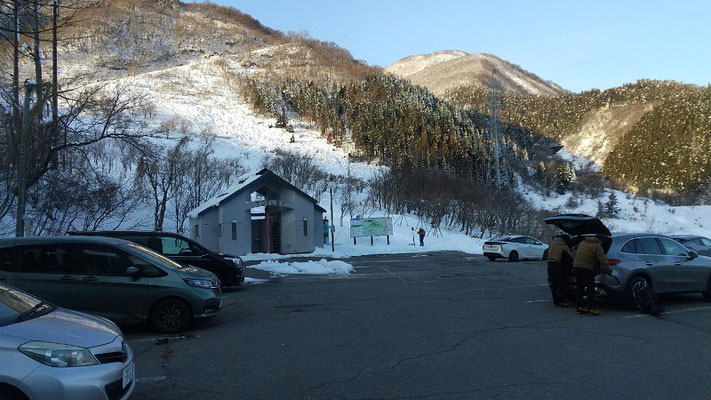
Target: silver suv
{"points": [[657, 260], [53, 353]]}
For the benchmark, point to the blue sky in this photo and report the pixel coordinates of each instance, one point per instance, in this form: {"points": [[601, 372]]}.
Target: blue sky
{"points": [[578, 44]]}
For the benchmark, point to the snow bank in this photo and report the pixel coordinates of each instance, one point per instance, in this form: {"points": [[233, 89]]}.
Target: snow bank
{"points": [[248, 280], [321, 267]]}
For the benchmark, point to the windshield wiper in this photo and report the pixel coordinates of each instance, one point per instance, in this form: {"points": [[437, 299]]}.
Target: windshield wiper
{"points": [[39, 307]]}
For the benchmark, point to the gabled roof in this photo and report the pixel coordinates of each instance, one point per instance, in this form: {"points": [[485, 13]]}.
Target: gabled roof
{"points": [[245, 182]]}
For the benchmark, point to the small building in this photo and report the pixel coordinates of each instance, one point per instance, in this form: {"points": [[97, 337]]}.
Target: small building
{"points": [[262, 213]]}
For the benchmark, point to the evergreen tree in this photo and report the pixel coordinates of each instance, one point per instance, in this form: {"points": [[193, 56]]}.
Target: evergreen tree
{"points": [[282, 121], [611, 209], [540, 170], [565, 176]]}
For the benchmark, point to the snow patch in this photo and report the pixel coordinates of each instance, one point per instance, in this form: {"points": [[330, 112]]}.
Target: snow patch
{"points": [[321, 267]]}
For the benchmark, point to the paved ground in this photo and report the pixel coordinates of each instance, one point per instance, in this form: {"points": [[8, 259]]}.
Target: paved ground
{"points": [[434, 326]]}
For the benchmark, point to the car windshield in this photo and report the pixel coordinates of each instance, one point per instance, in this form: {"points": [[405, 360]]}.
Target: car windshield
{"points": [[152, 254], [16, 306]]}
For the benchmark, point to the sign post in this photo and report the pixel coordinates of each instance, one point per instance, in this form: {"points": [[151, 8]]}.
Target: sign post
{"points": [[364, 227]]}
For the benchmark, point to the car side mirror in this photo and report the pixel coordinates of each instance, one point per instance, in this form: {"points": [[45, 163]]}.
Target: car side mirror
{"points": [[133, 271], [693, 254], [185, 252]]}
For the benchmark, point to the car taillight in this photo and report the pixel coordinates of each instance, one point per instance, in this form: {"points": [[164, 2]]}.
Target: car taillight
{"points": [[613, 261]]}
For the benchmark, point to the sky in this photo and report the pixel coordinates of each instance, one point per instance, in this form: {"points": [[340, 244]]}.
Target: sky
{"points": [[577, 44]]}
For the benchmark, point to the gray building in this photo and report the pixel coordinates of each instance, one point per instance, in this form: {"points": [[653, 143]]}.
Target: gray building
{"points": [[262, 213]]}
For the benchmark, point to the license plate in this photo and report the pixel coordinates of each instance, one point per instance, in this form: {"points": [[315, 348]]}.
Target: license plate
{"points": [[489, 247], [128, 374]]}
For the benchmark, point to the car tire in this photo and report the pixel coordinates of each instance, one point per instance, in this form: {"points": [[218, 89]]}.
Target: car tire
{"points": [[491, 258], [545, 255], [10, 394], [223, 281], [171, 315], [631, 299], [513, 255]]}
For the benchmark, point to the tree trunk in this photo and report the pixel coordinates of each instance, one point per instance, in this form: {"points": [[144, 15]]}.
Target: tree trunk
{"points": [[16, 70], [37, 55]]}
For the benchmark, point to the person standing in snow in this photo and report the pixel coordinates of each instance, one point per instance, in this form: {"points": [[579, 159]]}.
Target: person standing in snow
{"points": [[560, 260], [587, 256], [421, 232]]}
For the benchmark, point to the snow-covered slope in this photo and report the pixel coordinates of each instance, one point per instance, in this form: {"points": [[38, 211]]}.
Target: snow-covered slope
{"points": [[200, 95], [448, 69]]}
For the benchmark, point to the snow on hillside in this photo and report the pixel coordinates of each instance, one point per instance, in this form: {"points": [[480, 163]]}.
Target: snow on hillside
{"points": [[448, 69], [637, 214], [411, 65], [199, 96]]}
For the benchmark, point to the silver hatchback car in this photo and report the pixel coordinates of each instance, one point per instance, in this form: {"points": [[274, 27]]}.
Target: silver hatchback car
{"points": [[53, 353], [657, 260]]}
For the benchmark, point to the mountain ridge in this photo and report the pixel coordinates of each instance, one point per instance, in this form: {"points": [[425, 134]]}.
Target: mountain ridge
{"points": [[445, 70]]}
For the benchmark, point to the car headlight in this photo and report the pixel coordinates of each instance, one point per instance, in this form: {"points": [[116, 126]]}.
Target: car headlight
{"points": [[58, 355], [201, 283], [236, 261]]}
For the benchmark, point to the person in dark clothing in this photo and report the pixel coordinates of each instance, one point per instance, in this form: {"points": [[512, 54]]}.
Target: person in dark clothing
{"points": [[560, 260], [588, 255], [421, 232]]}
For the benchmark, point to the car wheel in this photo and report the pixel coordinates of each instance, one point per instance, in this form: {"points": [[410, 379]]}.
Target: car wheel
{"points": [[8, 393], [223, 281], [513, 255], [545, 255], [491, 258], [632, 300], [171, 315]]}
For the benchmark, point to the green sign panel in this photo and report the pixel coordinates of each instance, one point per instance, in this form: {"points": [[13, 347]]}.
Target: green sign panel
{"points": [[361, 227]]}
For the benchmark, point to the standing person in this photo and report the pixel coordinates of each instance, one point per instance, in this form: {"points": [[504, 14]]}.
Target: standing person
{"points": [[421, 232], [560, 260], [588, 254]]}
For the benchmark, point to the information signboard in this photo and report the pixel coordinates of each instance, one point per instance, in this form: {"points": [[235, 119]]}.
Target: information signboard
{"points": [[363, 227]]}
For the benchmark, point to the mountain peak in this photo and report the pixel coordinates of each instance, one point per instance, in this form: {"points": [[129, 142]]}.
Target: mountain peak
{"points": [[449, 69]]}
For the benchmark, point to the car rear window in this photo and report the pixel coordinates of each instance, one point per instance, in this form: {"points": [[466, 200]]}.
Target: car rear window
{"points": [[46, 259], [632, 247], [650, 246]]}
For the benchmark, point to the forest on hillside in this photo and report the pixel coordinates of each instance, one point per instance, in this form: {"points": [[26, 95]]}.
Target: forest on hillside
{"points": [[93, 161], [668, 150]]}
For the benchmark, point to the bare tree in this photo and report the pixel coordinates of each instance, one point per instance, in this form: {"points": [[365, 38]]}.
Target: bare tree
{"points": [[202, 178], [162, 172]]}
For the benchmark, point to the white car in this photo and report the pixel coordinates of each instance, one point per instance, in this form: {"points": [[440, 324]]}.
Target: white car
{"points": [[515, 248]]}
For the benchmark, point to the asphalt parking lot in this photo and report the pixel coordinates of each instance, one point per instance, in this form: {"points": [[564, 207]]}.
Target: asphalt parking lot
{"points": [[427, 326]]}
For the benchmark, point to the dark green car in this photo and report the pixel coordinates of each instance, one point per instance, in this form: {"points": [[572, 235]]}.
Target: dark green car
{"points": [[113, 278]]}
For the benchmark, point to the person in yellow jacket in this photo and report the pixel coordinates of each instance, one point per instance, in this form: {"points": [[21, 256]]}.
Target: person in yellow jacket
{"points": [[560, 259], [588, 254]]}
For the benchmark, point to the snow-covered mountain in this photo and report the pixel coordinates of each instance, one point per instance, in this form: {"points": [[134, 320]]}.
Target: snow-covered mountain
{"points": [[448, 69], [183, 64]]}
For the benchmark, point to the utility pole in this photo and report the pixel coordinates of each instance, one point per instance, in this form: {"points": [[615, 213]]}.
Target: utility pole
{"points": [[55, 124], [37, 52], [16, 69], [494, 125], [332, 227], [22, 170]]}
